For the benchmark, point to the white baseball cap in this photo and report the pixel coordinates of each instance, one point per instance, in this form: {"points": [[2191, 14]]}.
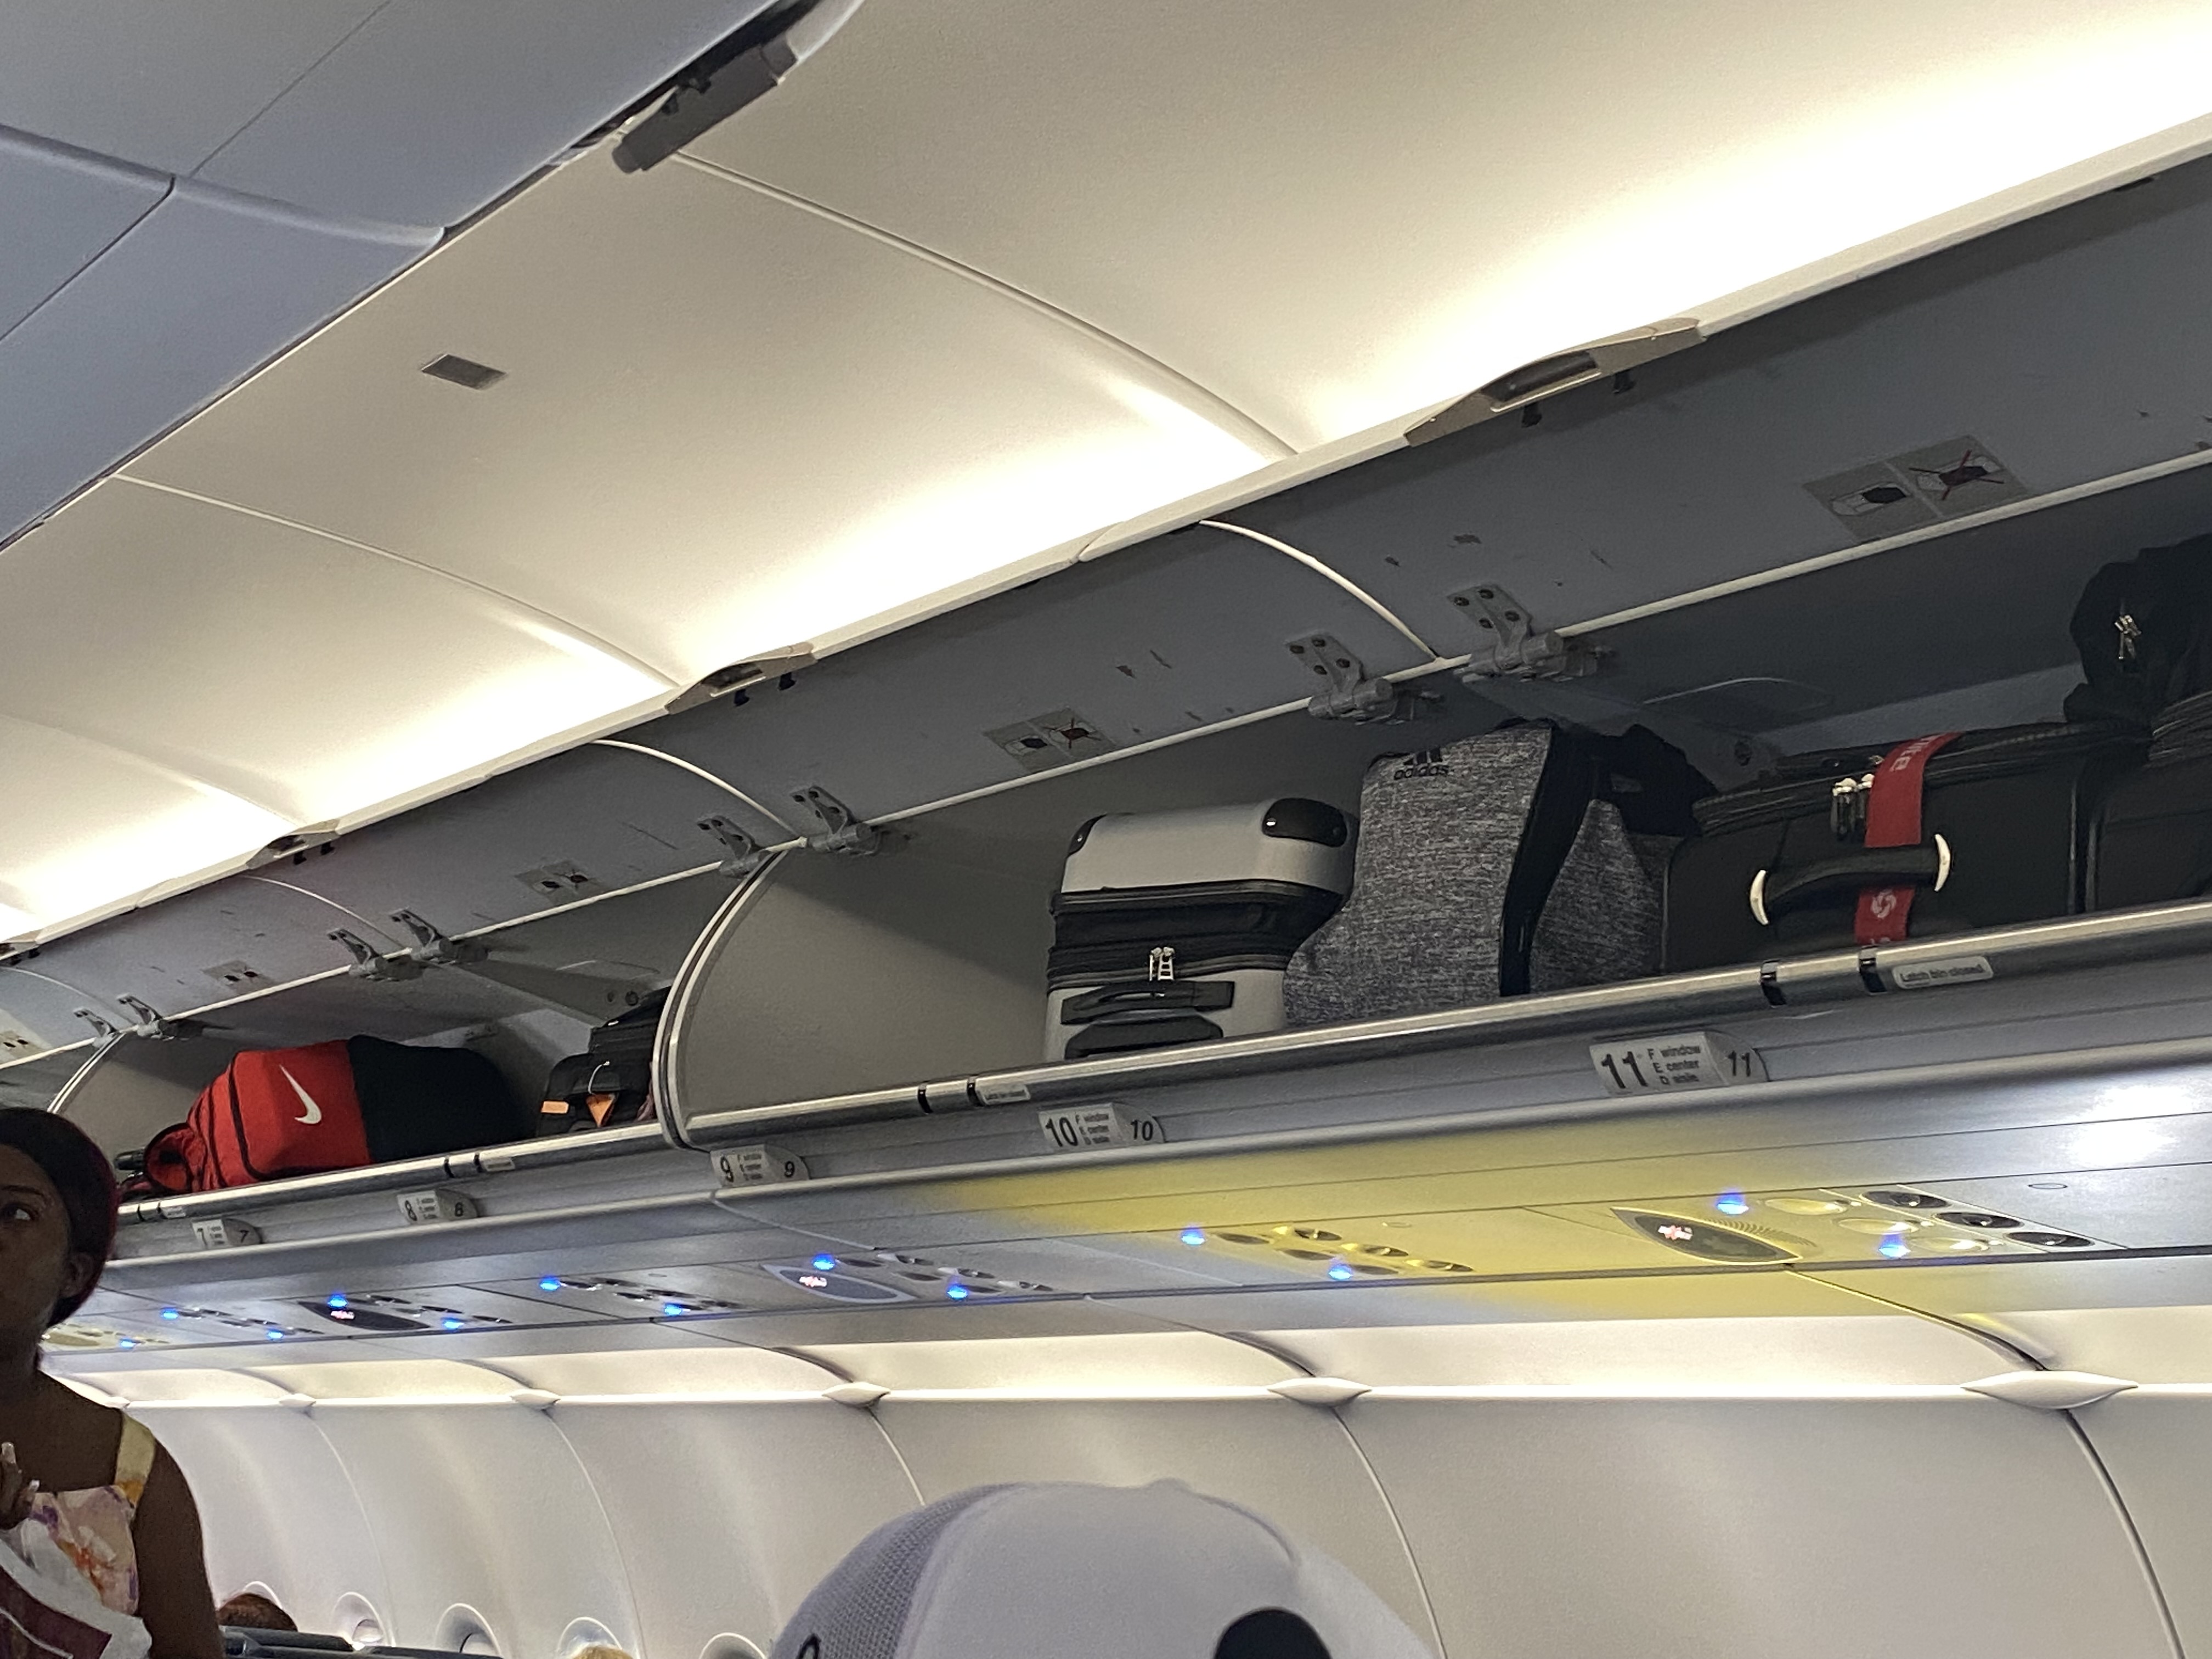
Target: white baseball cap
{"points": [[1062, 1570]]}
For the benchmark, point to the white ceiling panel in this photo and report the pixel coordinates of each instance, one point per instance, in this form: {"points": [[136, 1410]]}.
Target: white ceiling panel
{"points": [[316, 678], [728, 424], [163, 85], [1332, 215], [61, 209], [193, 297], [430, 109], [106, 823]]}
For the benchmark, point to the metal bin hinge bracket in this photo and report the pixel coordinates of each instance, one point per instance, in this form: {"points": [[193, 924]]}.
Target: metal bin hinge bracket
{"points": [[367, 964], [433, 949], [844, 830], [744, 853], [1512, 646], [1353, 694]]}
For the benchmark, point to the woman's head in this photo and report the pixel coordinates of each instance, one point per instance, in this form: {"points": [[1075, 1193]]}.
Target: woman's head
{"points": [[56, 1217]]}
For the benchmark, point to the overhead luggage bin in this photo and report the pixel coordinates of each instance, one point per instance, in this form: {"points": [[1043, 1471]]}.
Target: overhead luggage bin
{"points": [[857, 1027]]}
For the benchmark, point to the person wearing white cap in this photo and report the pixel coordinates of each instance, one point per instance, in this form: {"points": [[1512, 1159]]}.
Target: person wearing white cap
{"points": [[1060, 1570]]}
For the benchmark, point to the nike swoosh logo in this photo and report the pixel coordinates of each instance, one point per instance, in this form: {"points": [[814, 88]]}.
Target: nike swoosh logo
{"points": [[314, 1113]]}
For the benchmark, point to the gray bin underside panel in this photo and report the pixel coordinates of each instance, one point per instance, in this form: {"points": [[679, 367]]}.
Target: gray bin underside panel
{"points": [[2072, 347], [1987, 603], [1163, 638], [617, 817]]}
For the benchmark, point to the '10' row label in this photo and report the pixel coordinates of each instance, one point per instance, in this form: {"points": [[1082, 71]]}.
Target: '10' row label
{"points": [[1072, 1129]]}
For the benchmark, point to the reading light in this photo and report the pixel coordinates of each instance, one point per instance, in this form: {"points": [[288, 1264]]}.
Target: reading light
{"points": [[825, 1264], [274, 1334], [956, 1292], [338, 1301], [125, 1342], [1732, 1202], [1194, 1236], [548, 1284], [1339, 1270], [1893, 1246], [451, 1323], [171, 1313]]}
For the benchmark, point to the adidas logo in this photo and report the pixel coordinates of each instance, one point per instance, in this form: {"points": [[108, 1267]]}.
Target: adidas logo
{"points": [[1428, 763]]}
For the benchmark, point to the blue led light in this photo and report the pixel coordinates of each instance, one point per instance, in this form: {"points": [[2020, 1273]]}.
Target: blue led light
{"points": [[548, 1284], [453, 1323], [1892, 1245], [824, 1264], [672, 1308], [1732, 1203], [1340, 1271], [956, 1292], [171, 1313], [125, 1342], [274, 1334], [334, 1301], [1193, 1235]]}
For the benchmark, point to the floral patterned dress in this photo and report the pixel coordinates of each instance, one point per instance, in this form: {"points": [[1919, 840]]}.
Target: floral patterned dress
{"points": [[92, 1528]]}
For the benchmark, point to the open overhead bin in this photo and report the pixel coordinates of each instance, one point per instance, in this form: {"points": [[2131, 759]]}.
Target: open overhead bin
{"points": [[852, 1035], [2045, 358]]}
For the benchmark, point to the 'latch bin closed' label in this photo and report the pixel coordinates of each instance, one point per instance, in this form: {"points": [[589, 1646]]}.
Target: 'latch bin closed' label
{"points": [[1949, 970]]}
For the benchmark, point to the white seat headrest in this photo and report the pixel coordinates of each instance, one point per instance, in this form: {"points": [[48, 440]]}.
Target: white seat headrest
{"points": [[1060, 1571]]}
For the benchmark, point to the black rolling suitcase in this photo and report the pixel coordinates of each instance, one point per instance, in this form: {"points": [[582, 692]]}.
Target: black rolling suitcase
{"points": [[1947, 834], [2155, 836]]}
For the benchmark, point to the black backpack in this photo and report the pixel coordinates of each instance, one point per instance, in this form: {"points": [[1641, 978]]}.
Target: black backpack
{"points": [[2144, 629], [611, 1082]]}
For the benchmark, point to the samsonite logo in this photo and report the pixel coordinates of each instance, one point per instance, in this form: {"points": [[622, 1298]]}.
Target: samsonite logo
{"points": [[1428, 763]]}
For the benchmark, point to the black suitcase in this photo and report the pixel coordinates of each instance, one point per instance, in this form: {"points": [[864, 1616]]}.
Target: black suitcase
{"points": [[417, 1102], [2155, 834], [1782, 866]]}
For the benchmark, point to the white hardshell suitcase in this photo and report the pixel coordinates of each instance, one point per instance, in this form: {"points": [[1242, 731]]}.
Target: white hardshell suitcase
{"points": [[1174, 927]]}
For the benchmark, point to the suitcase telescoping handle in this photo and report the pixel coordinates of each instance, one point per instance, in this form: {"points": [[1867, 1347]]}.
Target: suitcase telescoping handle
{"points": [[1852, 872]]}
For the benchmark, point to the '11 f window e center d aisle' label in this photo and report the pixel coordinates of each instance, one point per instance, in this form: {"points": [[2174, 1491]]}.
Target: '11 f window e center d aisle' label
{"points": [[1685, 1060]]}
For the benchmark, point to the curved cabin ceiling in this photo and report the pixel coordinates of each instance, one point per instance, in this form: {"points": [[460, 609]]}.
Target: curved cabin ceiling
{"points": [[982, 280]]}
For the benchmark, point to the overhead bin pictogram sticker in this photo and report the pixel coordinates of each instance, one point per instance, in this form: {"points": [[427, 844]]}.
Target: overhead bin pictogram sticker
{"points": [[1947, 480]]}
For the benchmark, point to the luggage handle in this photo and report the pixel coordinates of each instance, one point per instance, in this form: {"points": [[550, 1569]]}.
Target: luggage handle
{"points": [[1209, 995], [1926, 865]]}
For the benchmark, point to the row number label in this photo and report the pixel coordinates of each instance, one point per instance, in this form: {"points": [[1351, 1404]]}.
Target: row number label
{"points": [[758, 1166], [1074, 1128], [1685, 1060]]}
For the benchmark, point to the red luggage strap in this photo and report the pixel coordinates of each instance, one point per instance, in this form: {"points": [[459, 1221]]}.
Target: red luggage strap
{"points": [[1892, 819]]}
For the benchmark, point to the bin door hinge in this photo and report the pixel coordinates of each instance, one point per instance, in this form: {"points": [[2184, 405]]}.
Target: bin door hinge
{"points": [[1510, 646], [843, 830], [153, 1024], [368, 964], [742, 854], [433, 949], [1353, 694]]}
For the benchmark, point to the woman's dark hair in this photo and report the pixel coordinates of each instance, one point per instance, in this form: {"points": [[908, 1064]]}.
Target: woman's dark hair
{"points": [[81, 1174]]}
